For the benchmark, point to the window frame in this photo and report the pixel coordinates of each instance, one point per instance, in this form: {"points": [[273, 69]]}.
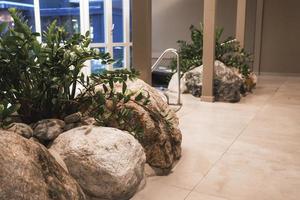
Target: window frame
{"points": [[108, 27]]}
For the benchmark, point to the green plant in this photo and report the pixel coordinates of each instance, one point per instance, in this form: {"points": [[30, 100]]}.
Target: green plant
{"points": [[6, 113], [105, 97], [43, 78], [228, 51]]}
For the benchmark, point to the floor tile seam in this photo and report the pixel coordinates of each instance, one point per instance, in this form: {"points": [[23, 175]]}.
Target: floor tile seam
{"points": [[211, 195], [231, 144]]}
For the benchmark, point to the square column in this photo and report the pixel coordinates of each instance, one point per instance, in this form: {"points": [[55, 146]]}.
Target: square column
{"points": [[258, 35], [241, 21], [142, 38], [209, 45]]}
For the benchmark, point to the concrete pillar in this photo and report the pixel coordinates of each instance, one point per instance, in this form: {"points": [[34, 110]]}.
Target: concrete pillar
{"points": [[258, 35], [241, 21], [209, 45], [142, 38]]}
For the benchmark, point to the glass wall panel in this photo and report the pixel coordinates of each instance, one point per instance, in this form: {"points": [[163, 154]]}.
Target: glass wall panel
{"points": [[66, 12], [96, 9], [118, 57], [118, 25], [24, 6], [96, 65]]}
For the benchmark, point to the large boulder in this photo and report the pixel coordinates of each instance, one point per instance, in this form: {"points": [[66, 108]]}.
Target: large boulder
{"points": [[28, 171], [106, 162], [162, 137], [21, 129], [173, 84], [158, 123], [227, 83]]}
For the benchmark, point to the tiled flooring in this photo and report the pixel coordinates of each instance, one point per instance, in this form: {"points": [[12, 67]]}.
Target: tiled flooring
{"points": [[244, 151]]}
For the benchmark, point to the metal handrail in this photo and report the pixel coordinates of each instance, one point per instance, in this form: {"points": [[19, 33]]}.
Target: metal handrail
{"points": [[155, 65]]}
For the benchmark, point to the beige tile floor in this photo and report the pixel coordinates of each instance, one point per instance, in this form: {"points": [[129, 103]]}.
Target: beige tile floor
{"points": [[244, 151]]}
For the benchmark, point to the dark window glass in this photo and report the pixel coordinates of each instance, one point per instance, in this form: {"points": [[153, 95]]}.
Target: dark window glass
{"points": [[66, 12], [118, 32], [96, 9], [118, 57], [24, 6], [96, 65]]}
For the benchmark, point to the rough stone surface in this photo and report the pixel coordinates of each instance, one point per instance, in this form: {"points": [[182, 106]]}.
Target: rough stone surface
{"points": [[88, 121], [47, 130], [21, 129], [162, 137], [173, 84], [28, 171], [73, 118], [227, 84], [106, 162], [58, 159], [250, 82], [72, 125]]}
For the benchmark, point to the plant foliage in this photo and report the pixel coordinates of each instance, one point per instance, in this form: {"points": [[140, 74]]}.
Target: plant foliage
{"points": [[6, 113], [228, 51], [105, 97], [41, 80]]}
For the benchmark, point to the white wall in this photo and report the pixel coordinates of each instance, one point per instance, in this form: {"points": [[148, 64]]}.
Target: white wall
{"points": [[171, 20], [280, 50]]}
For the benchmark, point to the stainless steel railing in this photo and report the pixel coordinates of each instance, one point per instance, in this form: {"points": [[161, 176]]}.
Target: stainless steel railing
{"points": [[156, 64]]}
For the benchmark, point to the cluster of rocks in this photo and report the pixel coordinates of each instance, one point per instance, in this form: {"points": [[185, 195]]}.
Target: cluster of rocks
{"points": [[229, 84], [74, 159]]}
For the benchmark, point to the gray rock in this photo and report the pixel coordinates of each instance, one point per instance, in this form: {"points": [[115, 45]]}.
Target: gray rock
{"points": [[161, 134], [28, 171], [49, 129], [72, 125], [227, 84], [58, 159], [73, 118], [21, 129], [173, 84], [106, 162], [88, 121]]}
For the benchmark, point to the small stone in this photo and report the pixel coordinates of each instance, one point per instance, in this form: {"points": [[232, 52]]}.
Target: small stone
{"points": [[88, 121], [149, 171], [49, 129], [75, 117], [72, 125], [21, 129]]}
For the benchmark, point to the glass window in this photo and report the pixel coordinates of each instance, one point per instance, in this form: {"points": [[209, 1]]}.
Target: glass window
{"points": [[96, 9], [118, 26], [96, 65], [118, 57], [24, 6], [66, 12]]}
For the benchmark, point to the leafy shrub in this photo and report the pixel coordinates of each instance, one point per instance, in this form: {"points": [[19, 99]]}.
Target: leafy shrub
{"points": [[228, 51], [104, 98], [42, 78], [6, 113], [45, 80]]}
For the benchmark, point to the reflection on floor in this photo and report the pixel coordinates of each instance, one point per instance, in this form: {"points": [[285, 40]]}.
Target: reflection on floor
{"points": [[249, 150]]}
